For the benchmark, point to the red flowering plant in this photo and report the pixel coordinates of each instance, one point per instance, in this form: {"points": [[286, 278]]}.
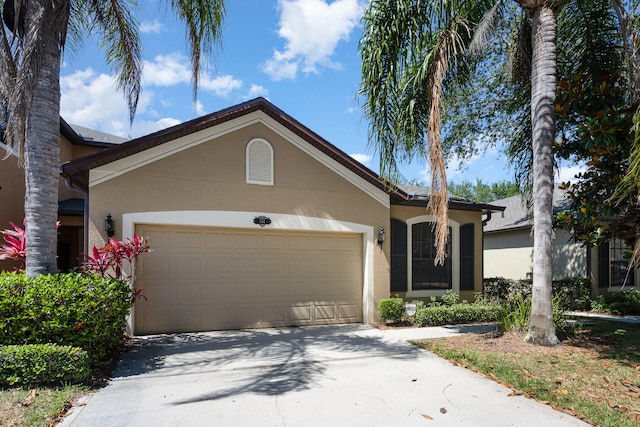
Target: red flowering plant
{"points": [[109, 260], [15, 247]]}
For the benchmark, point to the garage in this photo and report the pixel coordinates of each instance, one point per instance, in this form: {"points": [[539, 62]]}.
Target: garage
{"points": [[212, 278]]}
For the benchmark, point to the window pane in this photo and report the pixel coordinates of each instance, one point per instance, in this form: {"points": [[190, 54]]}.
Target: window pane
{"points": [[425, 275], [619, 264]]}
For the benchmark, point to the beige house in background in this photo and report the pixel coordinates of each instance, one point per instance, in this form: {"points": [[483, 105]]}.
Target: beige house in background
{"points": [[257, 221], [508, 250], [75, 141]]}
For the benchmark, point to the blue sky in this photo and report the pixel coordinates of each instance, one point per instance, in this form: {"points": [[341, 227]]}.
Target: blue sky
{"points": [[302, 55]]}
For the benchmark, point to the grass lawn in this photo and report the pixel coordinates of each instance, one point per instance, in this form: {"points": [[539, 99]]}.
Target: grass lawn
{"points": [[41, 406], [595, 375]]}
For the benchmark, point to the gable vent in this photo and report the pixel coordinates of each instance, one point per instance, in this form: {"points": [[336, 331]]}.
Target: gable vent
{"points": [[259, 162]]}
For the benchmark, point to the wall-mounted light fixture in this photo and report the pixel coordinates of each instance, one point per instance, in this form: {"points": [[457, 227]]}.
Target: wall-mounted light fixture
{"points": [[109, 226], [262, 220], [381, 236]]}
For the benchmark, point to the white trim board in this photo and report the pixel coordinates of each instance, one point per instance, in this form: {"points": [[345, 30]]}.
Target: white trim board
{"points": [[234, 219]]}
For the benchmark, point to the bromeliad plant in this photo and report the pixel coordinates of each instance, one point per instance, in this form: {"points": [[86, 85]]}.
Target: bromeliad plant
{"points": [[109, 260], [15, 247]]}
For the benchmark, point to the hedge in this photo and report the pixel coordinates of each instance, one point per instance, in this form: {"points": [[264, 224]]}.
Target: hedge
{"points": [[73, 309], [49, 364], [457, 314], [574, 293]]}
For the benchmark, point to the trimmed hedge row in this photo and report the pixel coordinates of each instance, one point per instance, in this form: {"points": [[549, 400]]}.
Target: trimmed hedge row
{"points": [[622, 302], [74, 309], [43, 364], [457, 314], [573, 293]]}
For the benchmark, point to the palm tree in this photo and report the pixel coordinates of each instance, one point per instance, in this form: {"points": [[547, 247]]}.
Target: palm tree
{"points": [[412, 50], [32, 42]]}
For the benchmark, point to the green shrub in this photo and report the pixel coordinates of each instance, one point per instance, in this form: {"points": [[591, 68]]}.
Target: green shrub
{"points": [[456, 314], [78, 310], [391, 309], [573, 292], [48, 364], [516, 315], [450, 298], [621, 302]]}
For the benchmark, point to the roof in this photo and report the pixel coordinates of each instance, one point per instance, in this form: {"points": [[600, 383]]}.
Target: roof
{"points": [[91, 135], [419, 196], [77, 170], [516, 215], [80, 135]]}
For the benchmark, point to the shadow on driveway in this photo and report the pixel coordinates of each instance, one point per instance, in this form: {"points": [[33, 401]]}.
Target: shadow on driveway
{"points": [[281, 360]]}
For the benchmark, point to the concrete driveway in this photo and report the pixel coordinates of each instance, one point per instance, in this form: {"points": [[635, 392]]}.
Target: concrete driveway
{"points": [[347, 375]]}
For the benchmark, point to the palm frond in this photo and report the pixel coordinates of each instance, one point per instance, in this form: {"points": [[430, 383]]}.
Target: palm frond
{"points": [[120, 40], [204, 20]]}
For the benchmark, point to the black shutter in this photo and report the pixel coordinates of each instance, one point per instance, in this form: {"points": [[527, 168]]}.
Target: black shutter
{"points": [[603, 265], [466, 257], [398, 255]]}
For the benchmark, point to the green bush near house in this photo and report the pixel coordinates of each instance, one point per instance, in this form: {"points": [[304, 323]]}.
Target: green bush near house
{"points": [[573, 293], [77, 310], [391, 309], [50, 364], [437, 315], [621, 302]]}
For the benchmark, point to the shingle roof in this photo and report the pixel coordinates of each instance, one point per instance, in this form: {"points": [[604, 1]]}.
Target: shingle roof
{"points": [[420, 196], [516, 216], [91, 135]]}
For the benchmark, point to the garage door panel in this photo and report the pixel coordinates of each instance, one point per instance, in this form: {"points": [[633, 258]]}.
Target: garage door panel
{"points": [[216, 278]]}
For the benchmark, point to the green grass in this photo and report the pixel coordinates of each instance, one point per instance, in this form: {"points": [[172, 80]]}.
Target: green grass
{"points": [[40, 406], [595, 375]]}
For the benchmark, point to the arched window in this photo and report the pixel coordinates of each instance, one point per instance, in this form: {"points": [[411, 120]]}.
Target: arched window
{"points": [[259, 162]]}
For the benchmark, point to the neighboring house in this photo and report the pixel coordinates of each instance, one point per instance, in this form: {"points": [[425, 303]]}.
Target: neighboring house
{"points": [[508, 250], [255, 220], [75, 142]]}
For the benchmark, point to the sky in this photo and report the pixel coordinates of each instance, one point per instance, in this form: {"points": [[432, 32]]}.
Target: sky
{"points": [[301, 55]]}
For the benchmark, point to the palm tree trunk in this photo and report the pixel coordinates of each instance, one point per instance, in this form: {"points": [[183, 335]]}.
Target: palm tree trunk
{"points": [[543, 82], [41, 164]]}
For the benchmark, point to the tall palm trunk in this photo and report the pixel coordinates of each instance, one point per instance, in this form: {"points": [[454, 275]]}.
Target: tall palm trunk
{"points": [[41, 160], [543, 87]]}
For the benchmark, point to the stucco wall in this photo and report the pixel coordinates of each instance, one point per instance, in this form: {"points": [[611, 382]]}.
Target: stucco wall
{"points": [[509, 254], [211, 177]]}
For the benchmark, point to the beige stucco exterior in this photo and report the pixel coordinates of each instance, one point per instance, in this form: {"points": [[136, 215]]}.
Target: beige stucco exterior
{"points": [[509, 254], [205, 181]]}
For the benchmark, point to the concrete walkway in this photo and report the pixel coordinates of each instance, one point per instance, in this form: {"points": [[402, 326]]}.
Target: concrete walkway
{"points": [[347, 375]]}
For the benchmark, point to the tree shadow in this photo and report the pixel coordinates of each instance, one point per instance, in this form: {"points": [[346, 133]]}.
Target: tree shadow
{"points": [[272, 361]]}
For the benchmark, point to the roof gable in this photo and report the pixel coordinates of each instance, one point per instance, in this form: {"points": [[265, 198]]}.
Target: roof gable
{"points": [[147, 149]]}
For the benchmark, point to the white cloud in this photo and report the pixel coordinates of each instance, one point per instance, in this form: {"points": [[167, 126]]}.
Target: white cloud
{"points": [[221, 86], [155, 27], [173, 69], [90, 99], [256, 91], [365, 159], [312, 30], [166, 70]]}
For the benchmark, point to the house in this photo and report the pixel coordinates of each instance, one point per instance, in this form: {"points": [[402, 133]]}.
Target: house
{"points": [[255, 221], [75, 141], [508, 250]]}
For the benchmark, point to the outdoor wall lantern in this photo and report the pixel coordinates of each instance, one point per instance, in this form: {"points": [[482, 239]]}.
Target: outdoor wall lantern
{"points": [[109, 226], [262, 220], [381, 236]]}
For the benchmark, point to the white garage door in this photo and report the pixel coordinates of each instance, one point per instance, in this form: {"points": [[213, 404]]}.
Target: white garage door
{"points": [[201, 279]]}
